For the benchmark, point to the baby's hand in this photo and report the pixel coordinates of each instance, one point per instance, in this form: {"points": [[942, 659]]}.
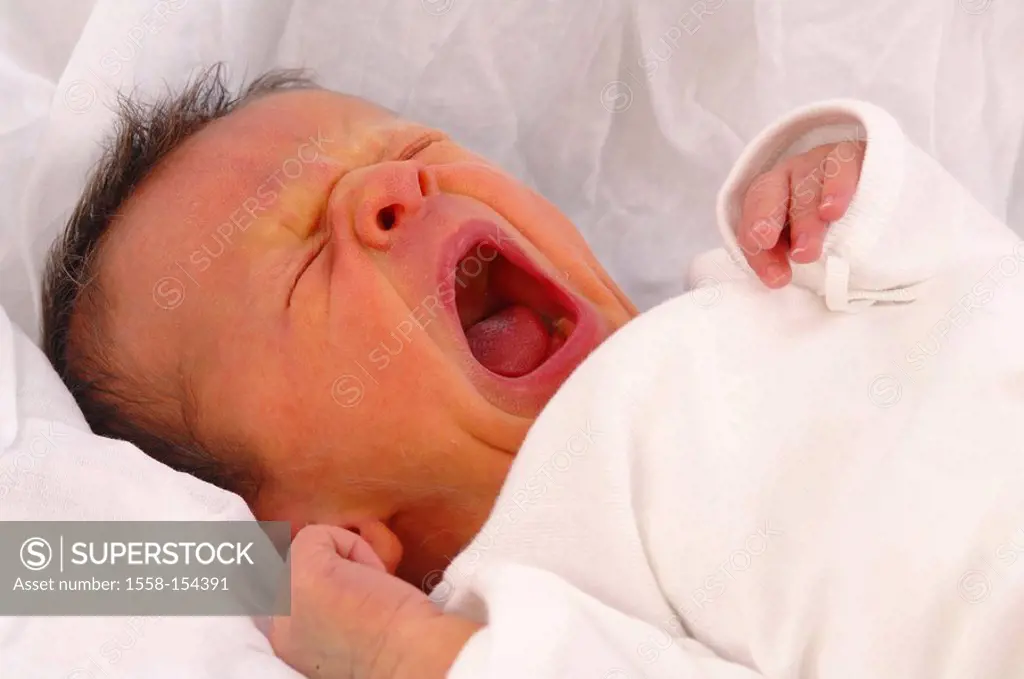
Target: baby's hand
{"points": [[786, 209], [351, 619]]}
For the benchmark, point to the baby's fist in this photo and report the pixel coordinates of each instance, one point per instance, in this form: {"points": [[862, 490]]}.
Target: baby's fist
{"points": [[346, 610], [786, 210]]}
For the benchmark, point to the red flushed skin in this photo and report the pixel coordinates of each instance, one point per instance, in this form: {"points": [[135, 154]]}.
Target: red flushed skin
{"points": [[307, 237]]}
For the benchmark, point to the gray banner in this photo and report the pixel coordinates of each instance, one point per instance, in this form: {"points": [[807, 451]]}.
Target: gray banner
{"points": [[144, 568]]}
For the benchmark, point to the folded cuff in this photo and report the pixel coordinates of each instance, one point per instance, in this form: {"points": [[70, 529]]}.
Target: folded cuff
{"points": [[835, 274]]}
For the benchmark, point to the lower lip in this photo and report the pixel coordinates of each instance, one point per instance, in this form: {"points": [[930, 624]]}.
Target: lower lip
{"points": [[589, 326]]}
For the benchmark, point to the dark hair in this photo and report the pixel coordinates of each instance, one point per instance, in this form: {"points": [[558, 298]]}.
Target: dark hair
{"points": [[116, 403]]}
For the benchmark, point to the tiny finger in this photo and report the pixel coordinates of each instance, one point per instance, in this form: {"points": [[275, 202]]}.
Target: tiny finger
{"points": [[841, 174], [772, 266], [806, 227], [763, 219], [326, 543]]}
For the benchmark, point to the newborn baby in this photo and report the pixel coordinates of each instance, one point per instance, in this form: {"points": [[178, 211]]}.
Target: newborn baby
{"points": [[342, 316], [351, 321], [816, 482]]}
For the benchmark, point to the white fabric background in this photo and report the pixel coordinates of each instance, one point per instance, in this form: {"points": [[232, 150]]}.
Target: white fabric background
{"points": [[626, 113], [529, 84]]}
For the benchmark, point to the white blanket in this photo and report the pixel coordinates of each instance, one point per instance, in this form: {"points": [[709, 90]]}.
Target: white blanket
{"points": [[748, 483], [626, 113]]}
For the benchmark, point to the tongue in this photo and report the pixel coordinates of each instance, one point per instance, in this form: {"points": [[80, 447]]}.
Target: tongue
{"points": [[512, 342]]}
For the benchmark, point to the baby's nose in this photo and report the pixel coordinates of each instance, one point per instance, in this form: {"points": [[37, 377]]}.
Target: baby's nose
{"points": [[387, 198]]}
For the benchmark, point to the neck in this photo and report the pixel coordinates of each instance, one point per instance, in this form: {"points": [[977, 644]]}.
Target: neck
{"points": [[434, 530], [430, 544]]}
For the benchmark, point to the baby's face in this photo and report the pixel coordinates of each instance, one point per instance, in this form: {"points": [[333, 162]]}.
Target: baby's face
{"points": [[372, 311]]}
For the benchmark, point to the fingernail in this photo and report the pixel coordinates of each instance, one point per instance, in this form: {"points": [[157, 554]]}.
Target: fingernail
{"points": [[800, 245], [828, 201], [776, 274]]}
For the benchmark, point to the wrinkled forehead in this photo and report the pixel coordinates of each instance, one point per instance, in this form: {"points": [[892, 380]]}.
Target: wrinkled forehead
{"points": [[265, 134], [281, 145]]}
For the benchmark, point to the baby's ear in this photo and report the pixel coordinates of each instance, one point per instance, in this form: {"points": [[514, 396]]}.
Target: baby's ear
{"points": [[383, 541]]}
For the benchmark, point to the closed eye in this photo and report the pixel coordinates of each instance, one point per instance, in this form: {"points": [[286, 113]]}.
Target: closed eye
{"points": [[322, 236], [420, 145]]}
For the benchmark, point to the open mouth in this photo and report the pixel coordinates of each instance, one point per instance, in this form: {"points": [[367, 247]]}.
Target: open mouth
{"points": [[514, 319]]}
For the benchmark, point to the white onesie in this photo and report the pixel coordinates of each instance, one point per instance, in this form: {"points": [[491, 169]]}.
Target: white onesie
{"points": [[822, 481]]}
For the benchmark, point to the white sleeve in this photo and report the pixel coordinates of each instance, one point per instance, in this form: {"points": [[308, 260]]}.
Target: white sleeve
{"points": [[908, 221], [541, 627]]}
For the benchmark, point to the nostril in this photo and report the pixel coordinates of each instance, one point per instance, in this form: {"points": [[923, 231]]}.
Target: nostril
{"points": [[387, 216]]}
